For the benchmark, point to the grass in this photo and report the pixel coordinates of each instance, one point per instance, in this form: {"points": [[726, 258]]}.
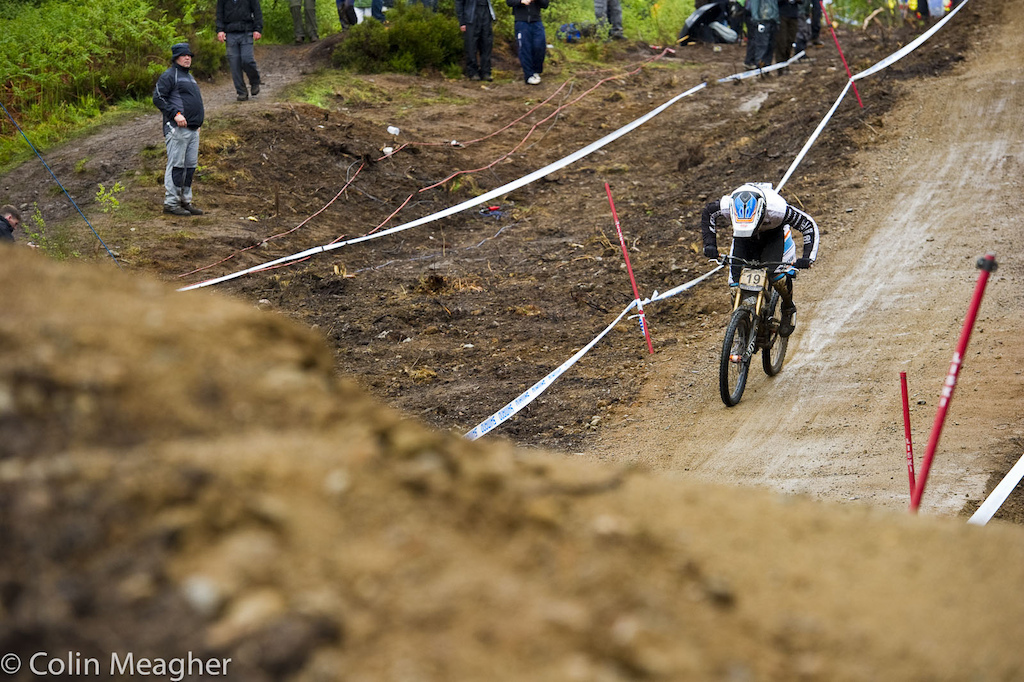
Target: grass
{"points": [[64, 126], [329, 89]]}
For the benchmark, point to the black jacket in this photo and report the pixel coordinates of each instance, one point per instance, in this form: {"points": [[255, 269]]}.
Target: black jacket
{"points": [[239, 16], [466, 11], [531, 12], [6, 231], [176, 90]]}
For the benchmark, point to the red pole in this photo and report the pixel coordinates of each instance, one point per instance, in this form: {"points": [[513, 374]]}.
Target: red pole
{"points": [[629, 268], [906, 431], [987, 265], [831, 28]]}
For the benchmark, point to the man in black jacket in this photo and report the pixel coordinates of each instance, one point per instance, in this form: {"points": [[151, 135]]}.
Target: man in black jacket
{"points": [[239, 25], [177, 96], [476, 21], [9, 221]]}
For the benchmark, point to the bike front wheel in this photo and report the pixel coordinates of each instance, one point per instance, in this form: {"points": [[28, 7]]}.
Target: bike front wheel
{"points": [[732, 373], [774, 351]]}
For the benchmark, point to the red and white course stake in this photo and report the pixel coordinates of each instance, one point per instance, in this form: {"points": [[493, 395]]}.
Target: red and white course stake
{"points": [[629, 268]]}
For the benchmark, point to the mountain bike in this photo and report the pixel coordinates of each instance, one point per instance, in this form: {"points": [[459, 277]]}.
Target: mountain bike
{"points": [[754, 326]]}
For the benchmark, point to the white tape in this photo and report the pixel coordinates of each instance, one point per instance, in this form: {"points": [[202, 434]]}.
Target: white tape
{"points": [[884, 63], [814, 136], [909, 47], [996, 498], [469, 203], [758, 71], [655, 297], [528, 396]]}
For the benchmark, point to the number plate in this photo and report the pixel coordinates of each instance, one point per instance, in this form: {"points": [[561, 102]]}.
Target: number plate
{"points": [[753, 280]]}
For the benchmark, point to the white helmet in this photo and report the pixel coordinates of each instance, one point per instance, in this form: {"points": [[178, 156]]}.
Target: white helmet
{"points": [[747, 208]]}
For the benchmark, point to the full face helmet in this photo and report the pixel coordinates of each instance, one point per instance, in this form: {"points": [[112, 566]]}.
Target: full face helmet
{"points": [[747, 209]]}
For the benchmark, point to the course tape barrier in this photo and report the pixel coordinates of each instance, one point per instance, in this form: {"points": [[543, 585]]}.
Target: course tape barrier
{"points": [[882, 64], [525, 398], [528, 396], [998, 495], [911, 46], [506, 413], [494, 193], [469, 203]]}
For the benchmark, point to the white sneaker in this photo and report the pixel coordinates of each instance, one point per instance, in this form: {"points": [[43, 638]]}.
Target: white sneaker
{"points": [[534, 79]]}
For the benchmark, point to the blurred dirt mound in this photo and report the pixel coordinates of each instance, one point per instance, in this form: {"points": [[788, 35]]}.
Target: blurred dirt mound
{"points": [[180, 472]]}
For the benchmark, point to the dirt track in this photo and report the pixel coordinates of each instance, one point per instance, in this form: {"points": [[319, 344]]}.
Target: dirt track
{"points": [[889, 294], [449, 322]]}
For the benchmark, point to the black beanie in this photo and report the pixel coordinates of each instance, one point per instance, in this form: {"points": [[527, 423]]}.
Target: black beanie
{"points": [[180, 49]]}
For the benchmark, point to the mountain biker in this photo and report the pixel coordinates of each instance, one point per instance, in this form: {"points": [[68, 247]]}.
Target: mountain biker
{"points": [[762, 224]]}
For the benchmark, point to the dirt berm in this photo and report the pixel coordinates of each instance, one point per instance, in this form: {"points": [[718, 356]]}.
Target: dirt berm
{"points": [[187, 474]]}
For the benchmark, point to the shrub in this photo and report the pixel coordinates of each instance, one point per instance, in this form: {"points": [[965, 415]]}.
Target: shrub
{"points": [[415, 39]]}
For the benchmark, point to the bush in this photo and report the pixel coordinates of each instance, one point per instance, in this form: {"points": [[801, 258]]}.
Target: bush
{"points": [[415, 39]]}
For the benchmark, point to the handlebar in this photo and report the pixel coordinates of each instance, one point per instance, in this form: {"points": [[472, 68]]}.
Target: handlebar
{"points": [[728, 259]]}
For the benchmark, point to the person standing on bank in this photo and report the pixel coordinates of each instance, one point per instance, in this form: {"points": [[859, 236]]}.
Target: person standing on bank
{"points": [[791, 14], [609, 14], [530, 38], [476, 21], [177, 96], [765, 15], [304, 11], [239, 25]]}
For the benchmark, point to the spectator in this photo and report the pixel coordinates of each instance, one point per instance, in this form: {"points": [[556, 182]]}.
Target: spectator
{"points": [[530, 37], [239, 25], [377, 10], [364, 9], [177, 96], [304, 19], [789, 22], [346, 13], [816, 23], [738, 19], [765, 15], [476, 21], [803, 31], [10, 219], [609, 14]]}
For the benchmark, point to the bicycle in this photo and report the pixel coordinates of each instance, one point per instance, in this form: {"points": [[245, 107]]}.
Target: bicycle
{"points": [[754, 326]]}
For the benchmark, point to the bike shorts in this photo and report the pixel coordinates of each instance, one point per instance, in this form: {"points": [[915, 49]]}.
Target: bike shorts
{"points": [[773, 245]]}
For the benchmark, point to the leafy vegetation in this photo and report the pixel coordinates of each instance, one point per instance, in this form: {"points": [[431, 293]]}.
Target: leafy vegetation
{"points": [[415, 39], [63, 64], [57, 242]]}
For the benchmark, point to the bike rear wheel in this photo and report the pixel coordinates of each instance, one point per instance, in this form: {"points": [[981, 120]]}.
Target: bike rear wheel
{"points": [[732, 373], [774, 350]]}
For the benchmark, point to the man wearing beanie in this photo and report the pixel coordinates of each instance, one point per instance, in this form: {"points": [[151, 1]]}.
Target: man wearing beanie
{"points": [[177, 95]]}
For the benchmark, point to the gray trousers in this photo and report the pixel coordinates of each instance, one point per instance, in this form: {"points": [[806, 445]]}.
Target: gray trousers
{"points": [[609, 12], [304, 10], [241, 58], [182, 158]]}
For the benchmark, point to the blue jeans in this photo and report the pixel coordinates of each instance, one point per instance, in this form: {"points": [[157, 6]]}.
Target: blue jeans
{"points": [[533, 45], [241, 58], [377, 10]]}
